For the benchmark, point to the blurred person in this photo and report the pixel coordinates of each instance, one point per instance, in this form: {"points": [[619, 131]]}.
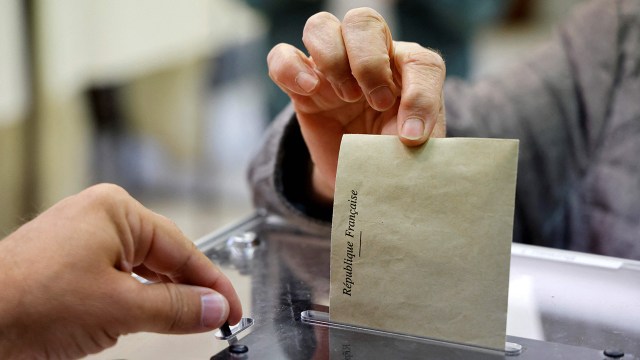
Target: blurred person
{"points": [[446, 25], [573, 104], [67, 289]]}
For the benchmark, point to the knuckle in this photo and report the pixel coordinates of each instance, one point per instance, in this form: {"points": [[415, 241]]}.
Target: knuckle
{"points": [[318, 20], [433, 75], [103, 340], [108, 204], [434, 59], [421, 102], [334, 67], [107, 189], [424, 72], [106, 194], [178, 309], [275, 52], [362, 15], [426, 57], [321, 34], [371, 67], [277, 60], [317, 24]]}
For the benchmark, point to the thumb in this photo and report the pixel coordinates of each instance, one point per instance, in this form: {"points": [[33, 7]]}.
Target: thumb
{"points": [[178, 308]]}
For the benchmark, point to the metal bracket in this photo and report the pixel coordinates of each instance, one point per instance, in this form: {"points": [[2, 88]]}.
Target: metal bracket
{"points": [[244, 324]]}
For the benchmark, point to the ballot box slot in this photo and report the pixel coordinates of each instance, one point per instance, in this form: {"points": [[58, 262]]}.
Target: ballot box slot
{"points": [[321, 318]]}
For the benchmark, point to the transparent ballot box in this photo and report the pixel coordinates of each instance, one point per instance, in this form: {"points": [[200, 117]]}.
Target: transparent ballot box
{"points": [[562, 304]]}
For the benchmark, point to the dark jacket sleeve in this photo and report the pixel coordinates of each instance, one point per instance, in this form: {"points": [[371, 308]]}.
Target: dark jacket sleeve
{"points": [[555, 103], [280, 177]]}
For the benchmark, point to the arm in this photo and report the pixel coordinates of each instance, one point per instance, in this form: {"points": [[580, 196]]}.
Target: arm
{"points": [[555, 102]]}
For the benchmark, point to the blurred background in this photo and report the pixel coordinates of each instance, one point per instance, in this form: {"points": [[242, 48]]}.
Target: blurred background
{"points": [[169, 99]]}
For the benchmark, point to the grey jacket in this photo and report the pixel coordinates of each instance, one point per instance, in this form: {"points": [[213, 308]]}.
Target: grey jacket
{"points": [[574, 105]]}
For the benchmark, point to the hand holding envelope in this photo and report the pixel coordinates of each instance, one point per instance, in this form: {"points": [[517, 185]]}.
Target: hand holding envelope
{"points": [[358, 81]]}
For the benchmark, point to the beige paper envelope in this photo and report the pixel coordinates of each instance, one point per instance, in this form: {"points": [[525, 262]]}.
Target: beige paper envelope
{"points": [[421, 237]]}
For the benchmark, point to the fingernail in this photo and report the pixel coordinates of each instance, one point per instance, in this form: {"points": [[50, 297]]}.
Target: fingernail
{"points": [[350, 90], [306, 82], [412, 129], [382, 98], [215, 310]]}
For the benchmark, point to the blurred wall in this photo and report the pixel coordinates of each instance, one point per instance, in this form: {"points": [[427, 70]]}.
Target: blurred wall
{"points": [[13, 110], [156, 49]]}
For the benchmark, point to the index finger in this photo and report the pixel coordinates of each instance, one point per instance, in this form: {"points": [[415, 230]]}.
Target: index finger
{"points": [[369, 46], [162, 248]]}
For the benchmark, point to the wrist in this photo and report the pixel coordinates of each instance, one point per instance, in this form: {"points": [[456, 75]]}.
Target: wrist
{"points": [[321, 189]]}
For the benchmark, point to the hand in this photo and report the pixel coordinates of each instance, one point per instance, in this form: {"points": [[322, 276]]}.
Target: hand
{"points": [[351, 84], [66, 284]]}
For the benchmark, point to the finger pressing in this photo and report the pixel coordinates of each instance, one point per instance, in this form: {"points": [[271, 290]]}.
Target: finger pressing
{"points": [[175, 308], [290, 69], [323, 39], [162, 248], [422, 78], [369, 47]]}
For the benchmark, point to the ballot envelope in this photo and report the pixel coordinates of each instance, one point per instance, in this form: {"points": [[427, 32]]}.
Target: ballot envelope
{"points": [[562, 304]]}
